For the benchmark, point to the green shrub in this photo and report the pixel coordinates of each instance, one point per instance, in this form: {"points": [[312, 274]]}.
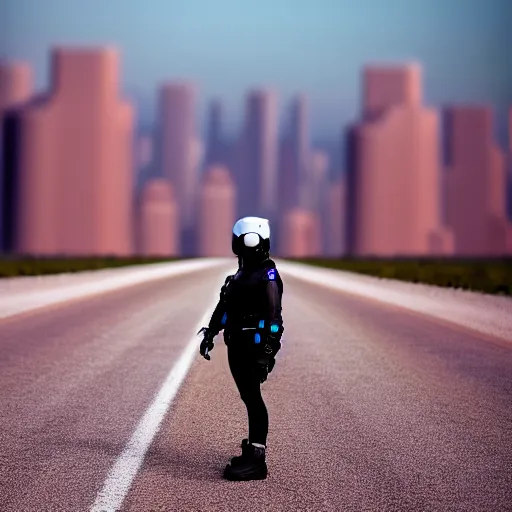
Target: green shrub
{"points": [[485, 275]]}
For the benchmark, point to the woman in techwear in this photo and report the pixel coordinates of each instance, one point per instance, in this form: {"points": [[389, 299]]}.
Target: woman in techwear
{"points": [[249, 311]]}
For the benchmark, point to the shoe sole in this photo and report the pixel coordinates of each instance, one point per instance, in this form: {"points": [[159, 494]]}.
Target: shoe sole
{"points": [[259, 474]]}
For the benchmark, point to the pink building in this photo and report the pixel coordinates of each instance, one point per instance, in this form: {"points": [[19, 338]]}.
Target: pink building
{"points": [[177, 132], [476, 184], [257, 176], [333, 225], [386, 86], [300, 234], [75, 177], [287, 191], [191, 184], [301, 151], [316, 181], [217, 212], [396, 181], [16, 84], [158, 220]]}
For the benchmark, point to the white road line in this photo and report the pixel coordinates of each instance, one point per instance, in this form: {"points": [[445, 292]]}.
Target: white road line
{"points": [[123, 472]]}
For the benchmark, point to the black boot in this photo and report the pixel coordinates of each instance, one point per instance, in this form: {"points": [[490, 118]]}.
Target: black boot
{"points": [[245, 452], [251, 467]]}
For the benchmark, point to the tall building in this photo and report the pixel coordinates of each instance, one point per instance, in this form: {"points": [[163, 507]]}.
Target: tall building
{"points": [[73, 185], [394, 173], [300, 234], [16, 84], [158, 230], [215, 145], [143, 159], [257, 173], [333, 222], [317, 180], [16, 87], [476, 183], [190, 192], [217, 209], [176, 149], [386, 86], [287, 189], [300, 151]]}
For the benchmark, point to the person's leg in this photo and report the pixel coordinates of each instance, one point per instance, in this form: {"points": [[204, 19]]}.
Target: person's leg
{"points": [[248, 384], [251, 465]]}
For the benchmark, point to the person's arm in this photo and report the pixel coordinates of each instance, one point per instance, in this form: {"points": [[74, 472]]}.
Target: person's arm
{"points": [[218, 318], [272, 327], [216, 324], [274, 294]]}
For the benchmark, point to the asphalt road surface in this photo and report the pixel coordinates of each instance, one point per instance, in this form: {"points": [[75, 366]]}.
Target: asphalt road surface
{"points": [[372, 408]]}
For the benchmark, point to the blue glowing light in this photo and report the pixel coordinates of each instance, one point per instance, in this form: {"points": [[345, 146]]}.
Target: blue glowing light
{"points": [[271, 274], [261, 324], [274, 328], [257, 338], [224, 318]]}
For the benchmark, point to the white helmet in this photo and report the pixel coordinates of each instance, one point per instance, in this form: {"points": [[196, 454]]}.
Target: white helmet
{"points": [[251, 236]]}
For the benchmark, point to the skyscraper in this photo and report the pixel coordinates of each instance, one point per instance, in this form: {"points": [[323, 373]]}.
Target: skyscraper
{"points": [[300, 151], [386, 86], [317, 180], [16, 87], [217, 209], [190, 192], [395, 175], [75, 180], [257, 174], [215, 145], [158, 230], [476, 183], [176, 148], [287, 189], [16, 84]]}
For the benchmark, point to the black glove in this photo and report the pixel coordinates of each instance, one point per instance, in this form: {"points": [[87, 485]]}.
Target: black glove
{"points": [[271, 347], [262, 368], [266, 361], [207, 343]]}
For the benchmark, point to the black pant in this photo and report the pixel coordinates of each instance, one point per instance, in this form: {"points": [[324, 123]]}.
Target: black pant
{"points": [[242, 366]]}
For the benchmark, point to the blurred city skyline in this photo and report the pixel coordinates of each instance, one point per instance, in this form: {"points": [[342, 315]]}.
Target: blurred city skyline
{"points": [[69, 160], [314, 48], [158, 140]]}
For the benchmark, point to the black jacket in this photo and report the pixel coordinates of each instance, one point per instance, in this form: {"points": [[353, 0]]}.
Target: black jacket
{"points": [[250, 302]]}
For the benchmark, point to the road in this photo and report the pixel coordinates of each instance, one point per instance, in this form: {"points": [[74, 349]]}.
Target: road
{"points": [[372, 408]]}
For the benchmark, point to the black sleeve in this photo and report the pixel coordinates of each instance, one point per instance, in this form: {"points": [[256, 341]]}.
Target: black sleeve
{"points": [[274, 294], [215, 324]]}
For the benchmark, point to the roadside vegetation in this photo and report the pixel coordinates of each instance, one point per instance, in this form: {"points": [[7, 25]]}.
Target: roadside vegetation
{"points": [[485, 275], [26, 266]]}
